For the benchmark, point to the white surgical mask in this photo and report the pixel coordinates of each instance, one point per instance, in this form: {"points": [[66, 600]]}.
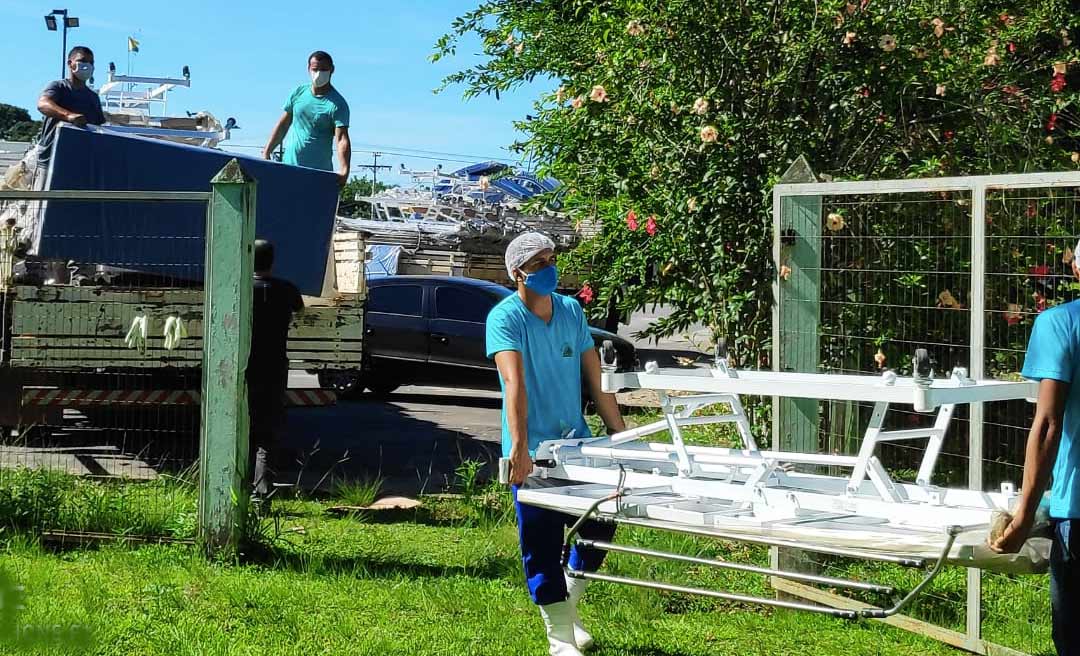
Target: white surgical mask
{"points": [[84, 71], [320, 78]]}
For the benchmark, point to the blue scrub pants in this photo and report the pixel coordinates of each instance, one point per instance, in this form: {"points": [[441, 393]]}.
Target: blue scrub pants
{"points": [[1065, 586], [541, 533]]}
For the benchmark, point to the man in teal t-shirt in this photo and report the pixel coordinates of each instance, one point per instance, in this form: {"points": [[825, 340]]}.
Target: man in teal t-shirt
{"points": [[315, 115], [1053, 450], [543, 349]]}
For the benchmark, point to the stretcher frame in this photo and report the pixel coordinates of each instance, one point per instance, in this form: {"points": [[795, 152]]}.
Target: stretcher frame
{"points": [[759, 496]]}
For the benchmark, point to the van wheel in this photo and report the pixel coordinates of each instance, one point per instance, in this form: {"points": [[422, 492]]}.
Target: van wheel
{"points": [[382, 389]]}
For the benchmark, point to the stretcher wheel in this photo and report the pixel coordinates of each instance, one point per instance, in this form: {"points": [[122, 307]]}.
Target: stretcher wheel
{"points": [[608, 355], [924, 368]]}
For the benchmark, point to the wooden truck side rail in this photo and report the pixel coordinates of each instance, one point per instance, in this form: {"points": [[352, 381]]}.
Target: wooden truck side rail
{"points": [[84, 328]]}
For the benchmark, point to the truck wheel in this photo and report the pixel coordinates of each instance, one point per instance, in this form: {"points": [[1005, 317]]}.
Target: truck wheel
{"points": [[347, 384]]}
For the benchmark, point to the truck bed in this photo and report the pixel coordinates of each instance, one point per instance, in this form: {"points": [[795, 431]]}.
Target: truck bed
{"points": [[83, 328]]}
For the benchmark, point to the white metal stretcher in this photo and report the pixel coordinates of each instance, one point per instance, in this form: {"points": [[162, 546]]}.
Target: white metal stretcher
{"points": [[759, 496]]}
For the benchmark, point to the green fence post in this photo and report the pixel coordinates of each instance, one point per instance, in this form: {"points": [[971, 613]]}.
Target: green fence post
{"points": [[223, 444], [796, 322], [799, 308]]}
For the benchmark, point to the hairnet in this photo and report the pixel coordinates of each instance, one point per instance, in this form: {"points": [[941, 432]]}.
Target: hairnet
{"points": [[524, 248]]}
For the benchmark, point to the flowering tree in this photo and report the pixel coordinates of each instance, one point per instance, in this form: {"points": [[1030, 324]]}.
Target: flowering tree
{"points": [[670, 120]]}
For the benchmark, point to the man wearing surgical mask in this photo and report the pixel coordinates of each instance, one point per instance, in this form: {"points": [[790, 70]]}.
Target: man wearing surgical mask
{"points": [[70, 100], [543, 349], [315, 115]]}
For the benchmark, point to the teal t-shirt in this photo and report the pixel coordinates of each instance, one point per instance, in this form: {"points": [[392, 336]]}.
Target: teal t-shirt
{"points": [[551, 354], [310, 141], [1054, 353]]}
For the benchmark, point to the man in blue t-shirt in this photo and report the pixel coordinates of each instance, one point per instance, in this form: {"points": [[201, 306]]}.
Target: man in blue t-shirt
{"points": [[543, 349], [69, 100], [315, 115], [1053, 449]]}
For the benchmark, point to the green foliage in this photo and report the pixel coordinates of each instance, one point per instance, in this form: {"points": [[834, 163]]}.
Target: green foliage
{"points": [[16, 124], [39, 499], [688, 112], [360, 493], [351, 207]]}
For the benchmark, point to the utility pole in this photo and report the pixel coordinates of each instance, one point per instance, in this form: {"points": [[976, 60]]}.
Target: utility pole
{"points": [[374, 166]]}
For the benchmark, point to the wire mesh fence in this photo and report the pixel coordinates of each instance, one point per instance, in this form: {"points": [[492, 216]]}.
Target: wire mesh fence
{"points": [[896, 274], [101, 369]]}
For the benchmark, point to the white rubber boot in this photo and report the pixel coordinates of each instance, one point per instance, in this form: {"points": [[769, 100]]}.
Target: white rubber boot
{"points": [[559, 622], [575, 588]]}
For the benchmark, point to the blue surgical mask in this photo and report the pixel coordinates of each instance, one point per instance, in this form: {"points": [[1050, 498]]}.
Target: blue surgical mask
{"points": [[544, 281]]}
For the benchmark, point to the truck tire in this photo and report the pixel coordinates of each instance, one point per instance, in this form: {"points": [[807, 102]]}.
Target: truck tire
{"points": [[346, 384]]}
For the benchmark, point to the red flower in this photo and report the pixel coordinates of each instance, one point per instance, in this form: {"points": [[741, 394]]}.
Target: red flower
{"points": [[1040, 271], [650, 225], [631, 220], [1040, 302], [1005, 18], [1057, 84], [1051, 123], [586, 294], [1012, 47], [948, 134], [864, 92]]}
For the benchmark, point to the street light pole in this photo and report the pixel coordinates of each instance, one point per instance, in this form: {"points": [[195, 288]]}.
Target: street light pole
{"points": [[52, 24], [63, 50]]}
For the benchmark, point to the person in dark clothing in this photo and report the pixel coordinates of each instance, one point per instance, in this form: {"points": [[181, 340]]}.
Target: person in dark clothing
{"points": [[70, 100], [275, 302]]}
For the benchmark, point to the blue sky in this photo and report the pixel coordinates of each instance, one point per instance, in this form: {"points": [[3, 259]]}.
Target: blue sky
{"points": [[245, 57]]}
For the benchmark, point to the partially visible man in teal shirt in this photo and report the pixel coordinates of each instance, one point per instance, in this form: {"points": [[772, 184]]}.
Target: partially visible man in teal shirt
{"points": [[1053, 452], [315, 115]]}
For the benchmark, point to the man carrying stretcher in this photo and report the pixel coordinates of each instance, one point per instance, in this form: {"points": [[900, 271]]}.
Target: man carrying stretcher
{"points": [[543, 349]]}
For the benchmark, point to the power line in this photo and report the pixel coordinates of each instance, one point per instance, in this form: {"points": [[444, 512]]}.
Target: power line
{"points": [[384, 148], [404, 155]]}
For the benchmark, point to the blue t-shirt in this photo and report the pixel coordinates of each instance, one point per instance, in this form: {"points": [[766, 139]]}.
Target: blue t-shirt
{"points": [[310, 141], [551, 354], [83, 100], [1054, 353]]}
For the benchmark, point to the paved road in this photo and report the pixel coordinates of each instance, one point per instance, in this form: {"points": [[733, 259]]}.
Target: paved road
{"points": [[414, 439]]}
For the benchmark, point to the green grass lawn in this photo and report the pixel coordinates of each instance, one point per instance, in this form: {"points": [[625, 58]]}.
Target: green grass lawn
{"points": [[441, 579], [444, 579]]}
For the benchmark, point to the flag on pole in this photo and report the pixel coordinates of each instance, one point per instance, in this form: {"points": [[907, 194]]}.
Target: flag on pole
{"points": [[133, 45]]}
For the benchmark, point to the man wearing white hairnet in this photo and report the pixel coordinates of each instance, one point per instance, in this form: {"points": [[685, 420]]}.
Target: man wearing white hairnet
{"points": [[1053, 451], [543, 349]]}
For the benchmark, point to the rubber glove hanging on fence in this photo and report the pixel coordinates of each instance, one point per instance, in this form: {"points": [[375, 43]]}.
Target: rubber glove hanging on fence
{"points": [[175, 332], [136, 336]]}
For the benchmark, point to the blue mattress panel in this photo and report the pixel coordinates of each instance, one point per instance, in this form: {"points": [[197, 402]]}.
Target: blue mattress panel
{"points": [[295, 207]]}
